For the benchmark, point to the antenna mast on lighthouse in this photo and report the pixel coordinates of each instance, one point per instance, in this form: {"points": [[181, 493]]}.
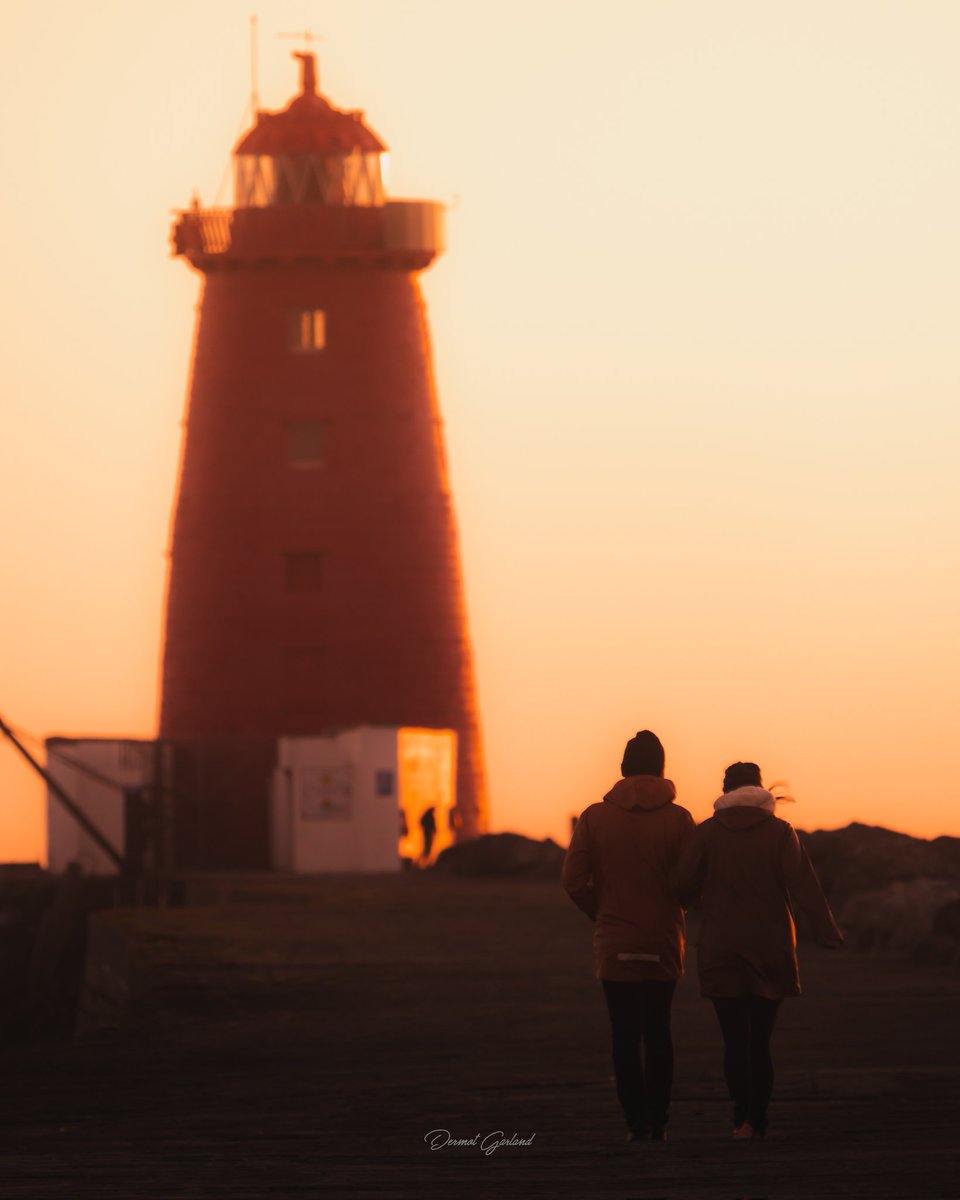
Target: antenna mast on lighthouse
{"points": [[254, 92]]}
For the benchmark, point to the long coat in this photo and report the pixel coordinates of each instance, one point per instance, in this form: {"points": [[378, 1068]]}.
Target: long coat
{"points": [[617, 871], [745, 865]]}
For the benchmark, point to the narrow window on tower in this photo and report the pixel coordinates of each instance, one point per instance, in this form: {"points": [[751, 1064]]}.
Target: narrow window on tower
{"points": [[305, 444], [308, 330], [304, 573]]}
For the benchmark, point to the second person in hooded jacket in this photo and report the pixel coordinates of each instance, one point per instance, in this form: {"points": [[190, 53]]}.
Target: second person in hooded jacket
{"points": [[745, 865]]}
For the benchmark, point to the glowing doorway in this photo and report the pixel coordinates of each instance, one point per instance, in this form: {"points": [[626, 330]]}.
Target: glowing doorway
{"points": [[427, 764]]}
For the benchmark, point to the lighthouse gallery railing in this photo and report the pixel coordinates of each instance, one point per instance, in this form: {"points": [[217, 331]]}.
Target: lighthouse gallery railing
{"points": [[410, 231]]}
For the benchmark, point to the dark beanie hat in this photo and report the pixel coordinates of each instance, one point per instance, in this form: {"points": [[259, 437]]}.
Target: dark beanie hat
{"points": [[739, 775], [643, 755]]}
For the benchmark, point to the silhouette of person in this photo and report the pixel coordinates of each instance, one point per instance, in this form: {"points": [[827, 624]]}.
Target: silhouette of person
{"points": [[744, 864], [616, 870], [428, 823]]}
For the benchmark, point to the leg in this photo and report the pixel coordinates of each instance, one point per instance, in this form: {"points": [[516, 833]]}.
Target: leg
{"points": [[733, 1013], [624, 1006], [763, 1013], [656, 999]]}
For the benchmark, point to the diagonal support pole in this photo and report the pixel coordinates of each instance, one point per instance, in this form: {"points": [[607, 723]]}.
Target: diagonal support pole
{"points": [[70, 805]]}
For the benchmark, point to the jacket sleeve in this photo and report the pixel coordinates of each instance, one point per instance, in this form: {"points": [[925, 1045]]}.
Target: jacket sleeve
{"points": [[686, 878], [577, 875], [804, 886]]}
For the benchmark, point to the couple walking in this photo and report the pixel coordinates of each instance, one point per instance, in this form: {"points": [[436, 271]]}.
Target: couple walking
{"points": [[635, 861]]}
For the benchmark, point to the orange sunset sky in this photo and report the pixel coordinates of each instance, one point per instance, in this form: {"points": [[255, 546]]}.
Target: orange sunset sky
{"points": [[696, 345]]}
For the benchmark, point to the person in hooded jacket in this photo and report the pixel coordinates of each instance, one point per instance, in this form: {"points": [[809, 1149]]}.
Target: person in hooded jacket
{"points": [[617, 871], [745, 865]]}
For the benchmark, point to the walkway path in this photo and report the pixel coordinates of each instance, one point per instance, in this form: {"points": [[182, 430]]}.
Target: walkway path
{"points": [[304, 1038]]}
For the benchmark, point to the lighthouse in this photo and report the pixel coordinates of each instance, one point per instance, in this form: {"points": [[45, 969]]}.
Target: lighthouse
{"points": [[314, 577]]}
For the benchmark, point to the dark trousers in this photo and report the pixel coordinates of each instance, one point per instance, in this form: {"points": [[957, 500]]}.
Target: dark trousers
{"points": [[747, 1023], [640, 1012]]}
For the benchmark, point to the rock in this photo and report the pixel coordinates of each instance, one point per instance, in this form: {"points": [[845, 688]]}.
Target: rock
{"points": [[889, 891], [897, 917], [946, 920], [936, 951], [502, 854], [865, 859]]}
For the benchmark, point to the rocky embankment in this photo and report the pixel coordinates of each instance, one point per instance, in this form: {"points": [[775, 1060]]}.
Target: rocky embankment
{"points": [[890, 891]]}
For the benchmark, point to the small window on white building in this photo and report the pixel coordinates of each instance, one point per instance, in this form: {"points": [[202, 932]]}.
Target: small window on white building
{"points": [[305, 443], [308, 330]]}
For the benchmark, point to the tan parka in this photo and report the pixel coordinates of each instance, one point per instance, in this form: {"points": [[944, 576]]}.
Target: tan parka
{"points": [[745, 866]]}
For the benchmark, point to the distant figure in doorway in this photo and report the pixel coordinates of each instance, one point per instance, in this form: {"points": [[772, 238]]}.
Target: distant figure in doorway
{"points": [[744, 865], [428, 823], [617, 871]]}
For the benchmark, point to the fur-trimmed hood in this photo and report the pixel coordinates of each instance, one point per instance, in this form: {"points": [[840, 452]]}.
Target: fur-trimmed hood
{"points": [[746, 797], [745, 807]]}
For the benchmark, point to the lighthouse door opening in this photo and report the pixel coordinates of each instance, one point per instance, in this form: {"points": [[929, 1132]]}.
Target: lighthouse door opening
{"points": [[427, 762]]}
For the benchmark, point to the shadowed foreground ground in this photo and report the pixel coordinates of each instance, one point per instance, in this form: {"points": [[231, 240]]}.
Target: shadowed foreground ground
{"points": [[303, 1038]]}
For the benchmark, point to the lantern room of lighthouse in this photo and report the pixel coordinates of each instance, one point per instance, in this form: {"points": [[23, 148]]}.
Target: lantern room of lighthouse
{"points": [[329, 158]]}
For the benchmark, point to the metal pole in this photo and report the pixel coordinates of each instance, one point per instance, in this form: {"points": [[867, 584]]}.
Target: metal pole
{"points": [[72, 808], [254, 93]]}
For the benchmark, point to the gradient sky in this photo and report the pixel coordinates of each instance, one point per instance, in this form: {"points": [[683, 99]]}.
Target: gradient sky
{"points": [[695, 340]]}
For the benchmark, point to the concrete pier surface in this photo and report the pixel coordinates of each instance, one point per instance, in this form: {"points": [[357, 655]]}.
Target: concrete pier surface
{"points": [[283, 1037]]}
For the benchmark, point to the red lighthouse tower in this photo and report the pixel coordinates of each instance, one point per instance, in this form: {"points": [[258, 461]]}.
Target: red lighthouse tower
{"points": [[314, 576]]}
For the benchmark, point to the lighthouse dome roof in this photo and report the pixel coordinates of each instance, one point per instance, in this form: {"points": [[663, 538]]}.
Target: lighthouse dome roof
{"points": [[309, 125]]}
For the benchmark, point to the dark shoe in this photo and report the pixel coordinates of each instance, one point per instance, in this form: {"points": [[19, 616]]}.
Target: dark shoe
{"points": [[658, 1134], [636, 1133]]}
